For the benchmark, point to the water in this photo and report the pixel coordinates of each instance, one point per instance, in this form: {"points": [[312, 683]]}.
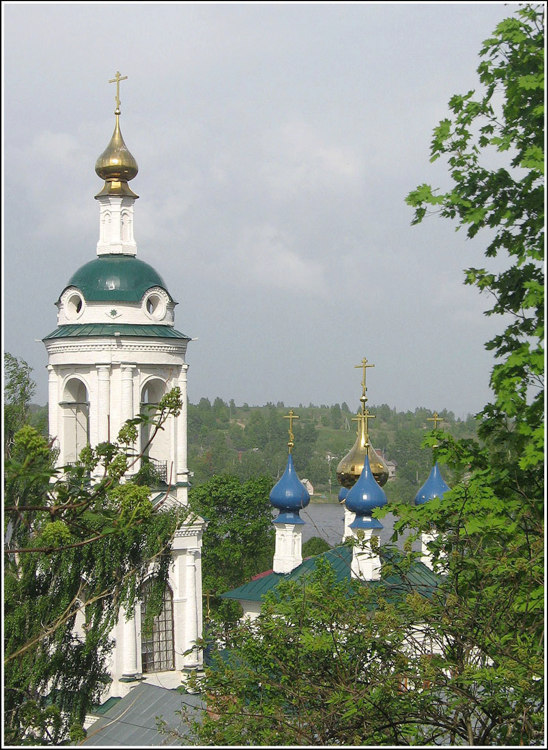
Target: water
{"points": [[327, 522]]}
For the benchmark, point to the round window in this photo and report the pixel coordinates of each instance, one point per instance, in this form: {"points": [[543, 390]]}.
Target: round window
{"points": [[74, 306], [155, 306]]}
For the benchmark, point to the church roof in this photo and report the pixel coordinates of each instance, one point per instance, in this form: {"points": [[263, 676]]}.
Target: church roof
{"points": [[112, 329], [115, 278], [419, 577], [131, 721]]}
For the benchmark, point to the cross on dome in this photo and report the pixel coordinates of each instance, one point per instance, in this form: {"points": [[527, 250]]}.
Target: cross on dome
{"points": [[435, 419], [291, 416], [117, 78]]}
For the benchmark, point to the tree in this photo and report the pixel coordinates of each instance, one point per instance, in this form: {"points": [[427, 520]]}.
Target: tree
{"points": [[74, 549], [19, 388], [508, 201], [238, 539], [325, 664], [333, 662], [314, 546]]}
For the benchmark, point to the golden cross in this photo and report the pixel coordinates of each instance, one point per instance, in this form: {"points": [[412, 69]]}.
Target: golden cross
{"points": [[117, 78], [291, 416], [364, 366], [365, 416], [435, 419]]}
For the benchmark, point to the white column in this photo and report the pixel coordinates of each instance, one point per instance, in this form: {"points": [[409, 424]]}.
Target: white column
{"points": [[366, 563], [348, 519], [103, 406], [181, 472], [288, 551], [191, 661], [130, 669], [127, 393], [53, 401]]}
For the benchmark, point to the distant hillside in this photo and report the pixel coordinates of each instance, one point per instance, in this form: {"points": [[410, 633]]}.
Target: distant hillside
{"points": [[252, 440]]}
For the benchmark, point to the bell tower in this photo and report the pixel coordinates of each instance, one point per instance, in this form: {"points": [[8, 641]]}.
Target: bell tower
{"points": [[114, 353], [115, 348]]}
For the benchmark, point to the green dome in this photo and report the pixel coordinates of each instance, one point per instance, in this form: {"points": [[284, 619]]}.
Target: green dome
{"points": [[112, 278]]}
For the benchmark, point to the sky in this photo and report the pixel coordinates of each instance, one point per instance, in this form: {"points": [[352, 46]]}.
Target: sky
{"points": [[276, 144]]}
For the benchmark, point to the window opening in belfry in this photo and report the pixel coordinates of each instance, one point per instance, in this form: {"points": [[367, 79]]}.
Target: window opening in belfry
{"points": [[157, 647], [76, 419]]}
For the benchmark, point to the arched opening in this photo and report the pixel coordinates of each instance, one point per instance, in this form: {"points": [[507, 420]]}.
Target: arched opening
{"points": [[75, 406], [158, 451], [157, 647]]}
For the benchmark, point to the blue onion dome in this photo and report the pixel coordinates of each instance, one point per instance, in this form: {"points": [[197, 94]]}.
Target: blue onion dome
{"points": [[434, 486], [364, 497], [289, 495]]}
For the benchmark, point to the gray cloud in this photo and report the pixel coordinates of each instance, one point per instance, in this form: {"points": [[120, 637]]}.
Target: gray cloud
{"points": [[276, 144]]}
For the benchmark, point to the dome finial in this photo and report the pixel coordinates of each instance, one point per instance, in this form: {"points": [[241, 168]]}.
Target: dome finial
{"points": [[364, 367], [291, 416], [435, 419]]}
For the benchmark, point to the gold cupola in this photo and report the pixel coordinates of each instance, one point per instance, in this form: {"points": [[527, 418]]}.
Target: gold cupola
{"points": [[116, 165], [351, 466]]}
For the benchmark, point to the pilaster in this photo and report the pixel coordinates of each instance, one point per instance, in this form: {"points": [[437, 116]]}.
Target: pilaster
{"points": [[288, 551], [366, 563], [103, 405]]}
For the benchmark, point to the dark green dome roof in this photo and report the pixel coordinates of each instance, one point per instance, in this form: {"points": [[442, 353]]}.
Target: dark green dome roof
{"points": [[112, 278]]}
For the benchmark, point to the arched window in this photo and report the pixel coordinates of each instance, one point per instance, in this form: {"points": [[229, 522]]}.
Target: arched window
{"points": [[159, 450], [157, 649], [75, 419]]}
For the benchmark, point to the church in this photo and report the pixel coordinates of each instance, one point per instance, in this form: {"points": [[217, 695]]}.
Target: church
{"points": [[114, 350], [362, 474]]}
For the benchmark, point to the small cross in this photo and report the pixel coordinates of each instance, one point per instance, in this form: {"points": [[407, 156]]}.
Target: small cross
{"points": [[364, 366], [365, 416], [291, 416], [435, 419], [117, 78]]}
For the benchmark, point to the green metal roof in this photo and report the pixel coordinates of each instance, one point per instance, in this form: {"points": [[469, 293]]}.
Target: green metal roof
{"points": [[419, 577], [115, 278], [76, 330]]}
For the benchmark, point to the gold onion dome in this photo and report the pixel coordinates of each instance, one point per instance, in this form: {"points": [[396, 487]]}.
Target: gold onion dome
{"points": [[351, 466], [116, 165]]}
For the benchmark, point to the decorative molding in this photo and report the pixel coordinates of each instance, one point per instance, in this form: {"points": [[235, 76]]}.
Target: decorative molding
{"points": [[113, 346]]}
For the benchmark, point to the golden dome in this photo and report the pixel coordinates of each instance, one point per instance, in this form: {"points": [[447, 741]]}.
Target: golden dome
{"points": [[351, 466], [116, 163]]}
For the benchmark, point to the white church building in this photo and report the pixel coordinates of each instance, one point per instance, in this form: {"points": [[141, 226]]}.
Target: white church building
{"points": [[115, 348]]}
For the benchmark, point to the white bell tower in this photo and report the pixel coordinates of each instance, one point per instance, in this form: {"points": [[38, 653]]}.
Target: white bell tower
{"points": [[115, 349]]}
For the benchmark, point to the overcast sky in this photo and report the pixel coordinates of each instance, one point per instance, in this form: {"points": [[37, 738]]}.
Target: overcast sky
{"points": [[276, 144]]}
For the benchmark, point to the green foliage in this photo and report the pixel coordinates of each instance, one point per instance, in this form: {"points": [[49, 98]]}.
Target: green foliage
{"points": [[19, 388], [314, 546], [337, 663], [506, 118], [75, 549], [238, 541]]}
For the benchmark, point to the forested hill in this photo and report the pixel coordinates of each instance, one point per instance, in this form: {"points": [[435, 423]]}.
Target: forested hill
{"points": [[252, 440]]}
